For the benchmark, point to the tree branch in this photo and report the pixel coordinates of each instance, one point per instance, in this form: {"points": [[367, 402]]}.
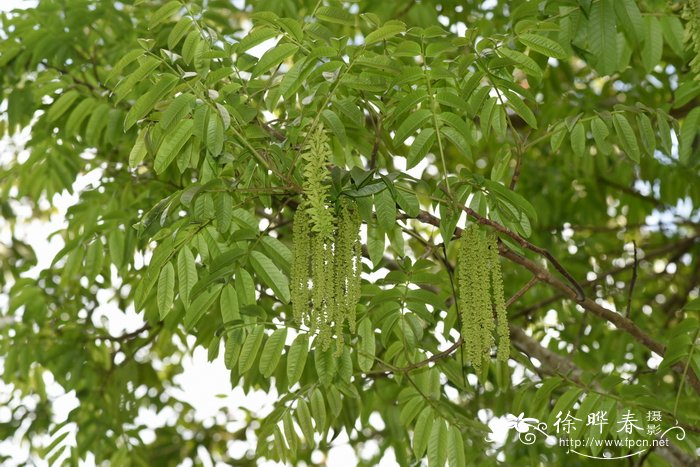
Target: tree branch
{"points": [[621, 322], [681, 246]]}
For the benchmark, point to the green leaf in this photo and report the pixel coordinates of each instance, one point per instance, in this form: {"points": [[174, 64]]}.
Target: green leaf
{"points": [[223, 206], [304, 418], [600, 134], [514, 198], [421, 432], [673, 33], [335, 15], [61, 105], [578, 139], [557, 138], [290, 432], [455, 448], [437, 444], [408, 201], [336, 126], [664, 132], [525, 63], [272, 352], [250, 348], [648, 136], [420, 147], [543, 45], [389, 30], [172, 143], [296, 358], [411, 124], [271, 276], [366, 349], [164, 13], [410, 410], [146, 102], [693, 305], [199, 307], [689, 132], [326, 365], [128, 84], [166, 289], [78, 116], [97, 123], [602, 36], [278, 252], [652, 48], [191, 45], [255, 37], [677, 350], [178, 109], [274, 57], [214, 137], [94, 259], [626, 135], [630, 19], [318, 409], [517, 104], [182, 27], [486, 116], [123, 62], [228, 303], [186, 273], [386, 210]]}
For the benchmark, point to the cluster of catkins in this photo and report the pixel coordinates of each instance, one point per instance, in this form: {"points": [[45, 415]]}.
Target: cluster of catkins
{"points": [[327, 264], [481, 304]]}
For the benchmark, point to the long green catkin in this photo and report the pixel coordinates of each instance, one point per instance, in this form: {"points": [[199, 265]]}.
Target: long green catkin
{"points": [[498, 295], [480, 296], [327, 262], [301, 250]]}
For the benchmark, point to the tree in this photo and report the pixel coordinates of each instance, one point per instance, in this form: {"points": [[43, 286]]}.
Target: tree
{"points": [[287, 183]]}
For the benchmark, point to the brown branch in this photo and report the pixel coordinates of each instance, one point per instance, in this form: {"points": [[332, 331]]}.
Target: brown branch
{"points": [[552, 363], [440, 355], [516, 172], [632, 192], [681, 246], [377, 140], [522, 291], [125, 336], [430, 219], [621, 322]]}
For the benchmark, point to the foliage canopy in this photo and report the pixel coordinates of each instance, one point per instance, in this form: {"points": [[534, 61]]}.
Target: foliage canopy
{"points": [[567, 130]]}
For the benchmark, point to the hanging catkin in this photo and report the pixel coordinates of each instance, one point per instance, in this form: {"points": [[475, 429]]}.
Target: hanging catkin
{"points": [[327, 264], [347, 265], [499, 302], [481, 302], [301, 247]]}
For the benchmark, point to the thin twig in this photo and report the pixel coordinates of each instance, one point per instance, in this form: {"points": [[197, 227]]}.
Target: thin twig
{"points": [[445, 353], [580, 296], [125, 336], [522, 291]]}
